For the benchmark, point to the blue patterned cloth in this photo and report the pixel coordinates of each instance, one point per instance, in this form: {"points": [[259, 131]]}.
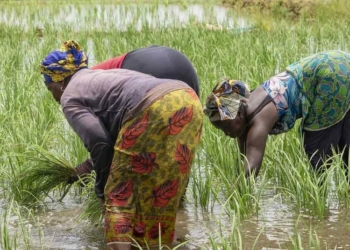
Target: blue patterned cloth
{"points": [[324, 79], [316, 88], [64, 62], [286, 95]]}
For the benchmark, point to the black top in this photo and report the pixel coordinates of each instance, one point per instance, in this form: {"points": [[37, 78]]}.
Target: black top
{"points": [[162, 62]]}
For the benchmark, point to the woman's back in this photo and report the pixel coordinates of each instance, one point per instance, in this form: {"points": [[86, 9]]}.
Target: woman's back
{"points": [[325, 84], [112, 95]]}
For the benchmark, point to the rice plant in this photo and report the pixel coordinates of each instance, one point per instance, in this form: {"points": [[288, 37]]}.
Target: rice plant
{"points": [[25, 225], [39, 150]]}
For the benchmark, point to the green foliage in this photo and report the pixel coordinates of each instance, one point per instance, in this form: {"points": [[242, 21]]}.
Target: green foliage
{"points": [[39, 150], [20, 238], [45, 173]]}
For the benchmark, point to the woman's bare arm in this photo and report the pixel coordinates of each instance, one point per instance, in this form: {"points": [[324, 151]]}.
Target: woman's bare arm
{"points": [[256, 138], [241, 140]]}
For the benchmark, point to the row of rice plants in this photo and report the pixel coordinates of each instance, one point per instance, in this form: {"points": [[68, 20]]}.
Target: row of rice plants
{"points": [[34, 129]]}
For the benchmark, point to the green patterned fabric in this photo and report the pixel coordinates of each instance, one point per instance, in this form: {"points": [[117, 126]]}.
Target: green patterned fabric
{"points": [[324, 79]]}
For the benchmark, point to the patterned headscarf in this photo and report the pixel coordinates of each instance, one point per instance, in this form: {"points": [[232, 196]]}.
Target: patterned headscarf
{"points": [[64, 62], [223, 102]]}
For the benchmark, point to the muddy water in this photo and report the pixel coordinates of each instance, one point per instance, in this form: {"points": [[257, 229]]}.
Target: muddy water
{"points": [[273, 228], [279, 222], [276, 222]]}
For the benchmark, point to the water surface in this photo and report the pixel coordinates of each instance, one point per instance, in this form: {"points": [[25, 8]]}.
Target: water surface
{"points": [[273, 228], [277, 222]]}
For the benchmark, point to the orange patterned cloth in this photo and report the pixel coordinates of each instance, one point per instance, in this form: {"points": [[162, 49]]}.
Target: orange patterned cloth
{"points": [[150, 171]]}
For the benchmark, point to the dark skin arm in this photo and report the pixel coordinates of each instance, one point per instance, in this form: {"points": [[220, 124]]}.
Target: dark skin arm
{"points": [[241, 140], [251, 136], [256, 138]]}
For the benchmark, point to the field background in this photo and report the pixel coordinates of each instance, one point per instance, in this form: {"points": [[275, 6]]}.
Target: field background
{"points": [[286, 207]]}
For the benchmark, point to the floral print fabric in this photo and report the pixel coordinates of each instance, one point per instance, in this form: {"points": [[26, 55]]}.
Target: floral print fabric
{"points": [[316, 88], [150, 170], [324, 79], [287, 97]]}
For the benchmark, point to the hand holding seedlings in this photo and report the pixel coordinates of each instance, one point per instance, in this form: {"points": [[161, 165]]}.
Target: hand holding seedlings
{"points": [[82, 171]]}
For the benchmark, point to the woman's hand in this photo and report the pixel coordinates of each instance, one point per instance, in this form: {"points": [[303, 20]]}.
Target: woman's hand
{"points": [[82, 170]]}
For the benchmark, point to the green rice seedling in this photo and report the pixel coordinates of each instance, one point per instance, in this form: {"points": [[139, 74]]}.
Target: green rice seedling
{"points": [[238, 195], [203, 187], [48, 172], [20, 238], [13, 188], [5, 240], [232, 237], [29, 116], [300, 242], [229, 185], [93, 211], [294, 175], [308, 189], [339, 185]]}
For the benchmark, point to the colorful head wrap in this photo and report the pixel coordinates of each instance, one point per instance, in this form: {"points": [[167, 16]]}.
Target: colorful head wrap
{"points": [[64, 62], [223, 102]]}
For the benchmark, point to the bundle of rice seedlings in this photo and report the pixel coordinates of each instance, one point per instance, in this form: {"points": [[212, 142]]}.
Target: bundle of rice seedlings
{"points": [[93, 211], [45, 173]]}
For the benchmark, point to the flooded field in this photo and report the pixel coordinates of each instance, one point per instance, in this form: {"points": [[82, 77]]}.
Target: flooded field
{"points": [[120, 16], [284, 209], [273, 228]]}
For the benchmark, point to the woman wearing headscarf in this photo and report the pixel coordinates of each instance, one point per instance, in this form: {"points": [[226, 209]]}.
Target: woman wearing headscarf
{"points": [[158, 61], [141, 133], [315, 89]]}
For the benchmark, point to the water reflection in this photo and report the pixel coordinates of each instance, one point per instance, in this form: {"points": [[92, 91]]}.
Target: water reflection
{"points": [[118, 16], [277, 222], [275, 227], [63, 231]]}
